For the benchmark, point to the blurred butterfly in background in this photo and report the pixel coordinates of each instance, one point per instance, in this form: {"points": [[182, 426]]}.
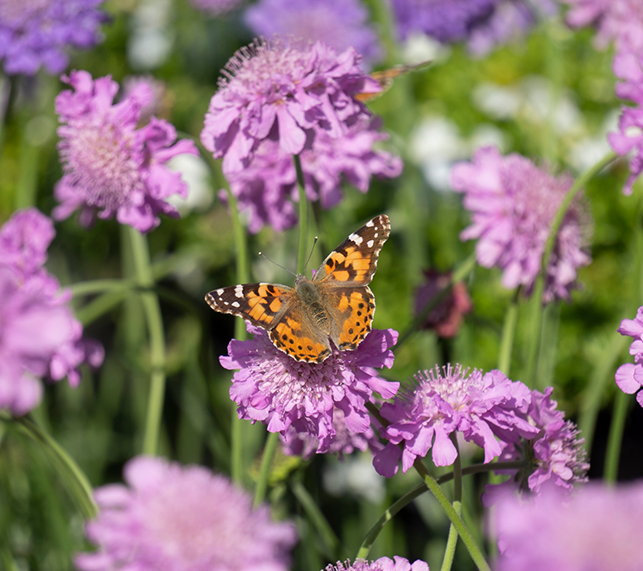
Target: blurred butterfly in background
{"points": [[385, 78], [335, 305]]}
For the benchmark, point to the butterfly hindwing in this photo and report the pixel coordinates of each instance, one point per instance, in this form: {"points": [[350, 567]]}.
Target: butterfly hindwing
{"points": [[261, 304], [354, 261]]}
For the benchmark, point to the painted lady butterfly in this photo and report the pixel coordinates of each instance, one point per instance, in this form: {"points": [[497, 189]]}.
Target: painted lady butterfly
{"points": [[336, 305]]}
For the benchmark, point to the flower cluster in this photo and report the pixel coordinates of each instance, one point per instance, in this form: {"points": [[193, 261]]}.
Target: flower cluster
{"points": [[482, 23], [382, 564], [554, 456], [266, 189], [39, 335], [441, 402], [216, 7], [35, 33], [111, 167], [447, 315], [174, 517], [514, 203], [288, 395], [595, 528], [338, 23], [629, 377]]}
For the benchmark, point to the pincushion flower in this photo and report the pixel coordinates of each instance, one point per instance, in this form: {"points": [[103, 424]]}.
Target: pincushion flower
{"points": [[629, 377], [597, 528], [630, 139], [35, 33], [110, 167], [440, 402], [338, 23], [482, 23], [382, 564], [39, 335], [287, 92], [273, 388], [267, 187], [513, 204], [447, 315], [177, 518], [344, 441], [554, 456]]}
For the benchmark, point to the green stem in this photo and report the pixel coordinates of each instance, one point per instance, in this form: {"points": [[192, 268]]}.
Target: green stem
{"points": [[91, 287], [452, 540], [315, 515], [303, 216], [508, 334], [266, 462], [73, 476], [536, 320], [152, 310], [453, 515], [613, 453]]}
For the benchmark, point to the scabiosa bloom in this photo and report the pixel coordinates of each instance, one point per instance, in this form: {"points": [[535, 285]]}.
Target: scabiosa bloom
{"points": [[216, 7], [35, 33], [513, 204], [344, 442], [596, 528], [441, 402], [382, 564], [275, 389], [283, 91], [39, 335], [176, 518], [629, 377], [338, 23], [555, 455], [483, 23], [628, 139], [447, 316], [111, 167], [267, 188]]}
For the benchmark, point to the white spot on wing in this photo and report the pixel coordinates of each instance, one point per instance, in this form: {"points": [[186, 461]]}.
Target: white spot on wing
{"points": [[370, 223], [370, 243], [219, 292], [355, 238], [235, 304], [238, 291]]}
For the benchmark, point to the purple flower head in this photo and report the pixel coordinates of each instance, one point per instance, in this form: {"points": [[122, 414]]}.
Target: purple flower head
{"points": [[554, 456], [175, 518], [483, 23], [630, 139], [344, 442], [629, 377], [382, 564], [447, 316], [287, 92], [35, 33], [595, 529], [273, 388], [620, 21], [39, 335], [441, 402], [215, 7], [266, 189], [513, 204], [111, 167], [338, 23]]}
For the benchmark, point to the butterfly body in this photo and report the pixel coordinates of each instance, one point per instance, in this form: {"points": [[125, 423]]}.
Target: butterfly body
{"points": [[336, 305]]}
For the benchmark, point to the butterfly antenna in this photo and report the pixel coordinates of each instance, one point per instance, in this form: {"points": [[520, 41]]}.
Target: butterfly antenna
{"points": [[276, 264], [311, 253]]}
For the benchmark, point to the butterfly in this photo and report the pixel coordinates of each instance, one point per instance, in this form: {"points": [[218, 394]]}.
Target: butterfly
{"points": [[335, 305], [385, 78]]}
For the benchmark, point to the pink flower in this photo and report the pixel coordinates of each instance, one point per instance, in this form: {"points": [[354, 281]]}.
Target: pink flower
{"points": [[629, 377], [287, 92], [513, 204], [288, 395], [39, 335], [110, 166], [180, 518], [382, 564], [441, 402], [596, 528]]}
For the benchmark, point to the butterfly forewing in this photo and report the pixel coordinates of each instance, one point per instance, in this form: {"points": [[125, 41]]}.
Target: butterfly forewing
{"points": [[261, 304], [354, 261]]}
